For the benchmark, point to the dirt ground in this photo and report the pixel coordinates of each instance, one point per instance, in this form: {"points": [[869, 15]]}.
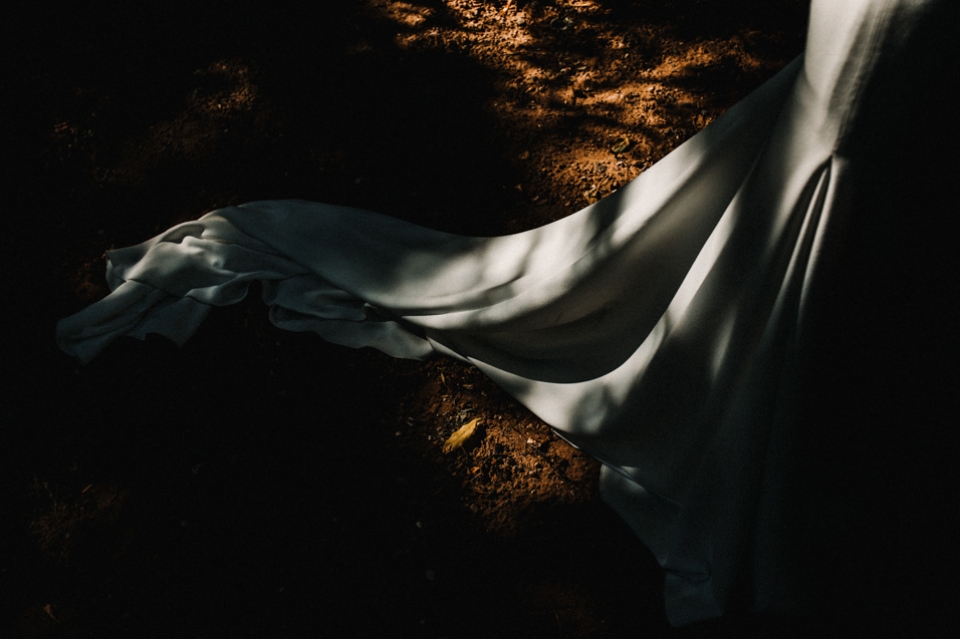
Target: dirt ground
{"points": [[257, 483]]}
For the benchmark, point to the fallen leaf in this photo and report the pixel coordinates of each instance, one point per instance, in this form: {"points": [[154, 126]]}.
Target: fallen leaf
{"points": [[459, 438], [621, 146]]}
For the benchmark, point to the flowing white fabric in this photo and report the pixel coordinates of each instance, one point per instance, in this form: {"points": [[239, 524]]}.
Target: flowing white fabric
{"points": [[658, 329]]}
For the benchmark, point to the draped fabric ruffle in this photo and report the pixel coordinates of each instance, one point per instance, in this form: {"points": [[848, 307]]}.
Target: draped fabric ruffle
{"points": [[660, 329]]}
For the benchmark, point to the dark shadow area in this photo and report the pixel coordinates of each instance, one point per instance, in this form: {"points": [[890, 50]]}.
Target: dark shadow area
{"points": [[877, 491]]}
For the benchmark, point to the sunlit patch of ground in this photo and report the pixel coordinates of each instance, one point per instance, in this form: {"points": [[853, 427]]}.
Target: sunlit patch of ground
{"points": [[591, 99]]}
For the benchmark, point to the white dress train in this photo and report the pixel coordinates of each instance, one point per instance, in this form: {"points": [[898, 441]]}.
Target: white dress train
{"points": [[660, 329]]}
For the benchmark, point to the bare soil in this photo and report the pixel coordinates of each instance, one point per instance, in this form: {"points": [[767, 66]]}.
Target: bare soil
{"points": [[260, 483]]}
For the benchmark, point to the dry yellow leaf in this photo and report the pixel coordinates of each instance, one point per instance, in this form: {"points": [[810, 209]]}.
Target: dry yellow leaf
{"points": [[460, 437], [622, 145]]}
